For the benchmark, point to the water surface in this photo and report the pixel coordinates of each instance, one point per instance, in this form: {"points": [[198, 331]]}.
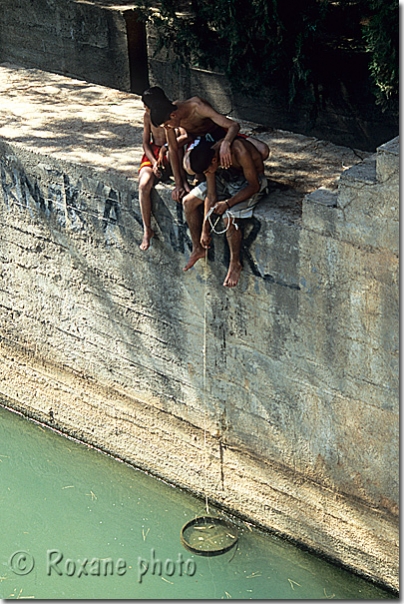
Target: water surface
{"points": [[77, 524]]}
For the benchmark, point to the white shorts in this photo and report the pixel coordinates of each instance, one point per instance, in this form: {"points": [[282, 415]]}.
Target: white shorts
{"points": [[228, 183]]}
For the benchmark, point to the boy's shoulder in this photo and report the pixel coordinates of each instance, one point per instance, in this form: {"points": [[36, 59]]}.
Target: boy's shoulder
{"points": [[197, 101]]}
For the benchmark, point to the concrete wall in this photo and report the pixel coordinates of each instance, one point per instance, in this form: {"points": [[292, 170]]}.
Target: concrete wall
{"points": [[279, 399], [99, 42]]}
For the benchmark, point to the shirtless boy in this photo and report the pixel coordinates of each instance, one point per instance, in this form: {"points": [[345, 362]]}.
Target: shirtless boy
{"points": [[154, 162], [231, 193], [199, 119]]}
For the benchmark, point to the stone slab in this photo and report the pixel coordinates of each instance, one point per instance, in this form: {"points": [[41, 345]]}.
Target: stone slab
{"points": [[388, 160]]}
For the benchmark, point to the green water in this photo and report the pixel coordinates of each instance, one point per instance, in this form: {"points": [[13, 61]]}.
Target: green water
{"points": [[77, 524]]}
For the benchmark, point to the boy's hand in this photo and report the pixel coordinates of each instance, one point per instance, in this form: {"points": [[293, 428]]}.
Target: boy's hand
{"points": [[178, 193], [220, 207], [225, 154], [156, 170], [206, 239]]}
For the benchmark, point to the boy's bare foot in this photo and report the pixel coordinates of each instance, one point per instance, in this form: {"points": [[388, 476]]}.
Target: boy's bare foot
{"points": [[233, 275], [196, 254], [148, 234]]}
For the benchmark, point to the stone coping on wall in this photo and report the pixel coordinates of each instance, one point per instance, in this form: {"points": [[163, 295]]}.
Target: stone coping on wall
{"points": [[99, 127]]}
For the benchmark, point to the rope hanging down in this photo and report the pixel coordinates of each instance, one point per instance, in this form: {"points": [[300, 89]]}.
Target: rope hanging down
{"points": [[205, 447]]}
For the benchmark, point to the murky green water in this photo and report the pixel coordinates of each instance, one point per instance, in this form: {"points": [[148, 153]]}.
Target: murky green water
{"points": [[77, 524]]}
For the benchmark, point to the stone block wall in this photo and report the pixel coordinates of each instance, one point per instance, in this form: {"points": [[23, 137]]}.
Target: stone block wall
{"points": [[98, 42], [278, 399]]}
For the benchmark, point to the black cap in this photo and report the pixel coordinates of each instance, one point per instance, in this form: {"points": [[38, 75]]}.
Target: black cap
{"points": [[161, 110], [153, 94]]}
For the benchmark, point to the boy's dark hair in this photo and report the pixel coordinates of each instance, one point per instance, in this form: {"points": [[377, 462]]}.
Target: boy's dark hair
{"points": [[201, 155], [153, 95], [161, 110]]}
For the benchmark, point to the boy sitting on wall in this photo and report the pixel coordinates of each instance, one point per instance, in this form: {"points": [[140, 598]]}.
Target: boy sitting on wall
{"points": [[231, 193], [155, 163], [199, 119]]}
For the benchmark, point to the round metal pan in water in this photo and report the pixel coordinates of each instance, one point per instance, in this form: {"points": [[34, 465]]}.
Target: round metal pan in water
{"points": [[208, 536]]}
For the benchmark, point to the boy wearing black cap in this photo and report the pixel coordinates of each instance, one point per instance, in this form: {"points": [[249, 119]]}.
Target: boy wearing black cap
{"points": [[231, 193], [199, 119]]}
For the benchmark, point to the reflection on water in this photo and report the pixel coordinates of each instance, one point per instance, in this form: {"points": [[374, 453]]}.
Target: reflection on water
{"points": [[78, 524]]}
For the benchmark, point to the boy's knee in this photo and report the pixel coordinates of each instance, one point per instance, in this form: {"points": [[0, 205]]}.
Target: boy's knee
{"points": [[232, 226], [145, 185], [188, 199], [266, 152]]}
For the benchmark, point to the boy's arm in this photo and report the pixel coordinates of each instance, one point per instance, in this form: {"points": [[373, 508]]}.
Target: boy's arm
{"points": [[179, 190], [162, 153], [232, 127], [183, 137], [146, 139]]}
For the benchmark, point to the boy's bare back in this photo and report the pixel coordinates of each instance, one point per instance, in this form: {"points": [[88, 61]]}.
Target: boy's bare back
{"points": [[195, 115]]}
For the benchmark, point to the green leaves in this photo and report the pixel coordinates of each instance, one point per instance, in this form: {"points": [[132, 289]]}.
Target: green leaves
{"points": [[255, 41], [381, 35]]}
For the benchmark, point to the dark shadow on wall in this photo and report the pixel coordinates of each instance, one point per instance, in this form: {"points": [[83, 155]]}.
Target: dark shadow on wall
{"points": [[137, 53], [336, 104]]}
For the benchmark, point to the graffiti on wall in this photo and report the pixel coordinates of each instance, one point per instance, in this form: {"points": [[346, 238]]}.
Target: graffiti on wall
{"points": [[55, 196], [26, 193], [75, 207]]}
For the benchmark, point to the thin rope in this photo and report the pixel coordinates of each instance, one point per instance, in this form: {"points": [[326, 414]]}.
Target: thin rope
{"points": [[228, 215], [205, 448]]}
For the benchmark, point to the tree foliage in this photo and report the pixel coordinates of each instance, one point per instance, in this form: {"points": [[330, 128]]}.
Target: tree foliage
{"points": [[381, 34], [254, 41]]}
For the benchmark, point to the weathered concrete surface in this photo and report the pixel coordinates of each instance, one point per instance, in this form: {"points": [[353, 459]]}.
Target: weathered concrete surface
{"points": [[278, 399], [101, 42]]}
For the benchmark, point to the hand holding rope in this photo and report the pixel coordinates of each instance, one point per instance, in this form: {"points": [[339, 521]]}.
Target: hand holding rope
{"points": [[229, 216]]}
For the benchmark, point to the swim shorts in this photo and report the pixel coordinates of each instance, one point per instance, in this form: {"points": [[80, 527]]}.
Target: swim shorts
{"points": [[146, 163], [218, 133], [228, 183]]}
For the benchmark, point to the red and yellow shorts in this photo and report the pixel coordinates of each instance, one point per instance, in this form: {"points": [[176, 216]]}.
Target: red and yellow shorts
{"points": [[145, 161]]}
